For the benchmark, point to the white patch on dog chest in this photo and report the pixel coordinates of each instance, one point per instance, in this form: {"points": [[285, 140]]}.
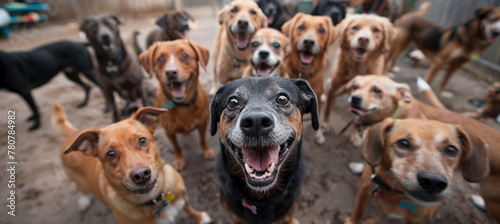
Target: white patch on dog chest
{"points": [[171, 212], [456, 53]]}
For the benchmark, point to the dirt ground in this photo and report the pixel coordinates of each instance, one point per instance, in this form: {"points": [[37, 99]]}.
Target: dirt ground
{"points": [[45, 195]]}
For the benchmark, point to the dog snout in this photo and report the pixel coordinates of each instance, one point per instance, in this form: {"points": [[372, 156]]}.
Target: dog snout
{"points": [[257, 123], [432, 183], [140, 176], [106, 38], [495, 33], [363, 41], [185, 26], [171, 72], [263, 55], [356, 100], [243, 24], [309, 43]]}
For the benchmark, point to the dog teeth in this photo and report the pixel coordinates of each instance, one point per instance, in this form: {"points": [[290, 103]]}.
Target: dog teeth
{"points": [[270, 169], [249, 170]]}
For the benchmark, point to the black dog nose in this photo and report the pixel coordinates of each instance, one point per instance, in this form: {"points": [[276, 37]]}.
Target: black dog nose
{"points": [[363, 41], [356, 100], [242, 23], [140, 176], [185, 26], [171, 72], [263, 54], [105, 37], [431, 182], [495, 33], [309, 43], [257, 123]]}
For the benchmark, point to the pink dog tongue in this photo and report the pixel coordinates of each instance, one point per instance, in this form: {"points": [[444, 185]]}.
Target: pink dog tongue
{"points": [[270, 19], [261, 159], [263, 70], [184, 35], [178, 89], [358, 111], [306, 57], [241, 40]]}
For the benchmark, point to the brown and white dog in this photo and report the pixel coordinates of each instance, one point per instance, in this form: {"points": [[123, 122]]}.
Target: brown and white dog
{"points": [[452, 46], [175, 64], [270, 48], [239, 21], [411, 164], [121, 166], [364, 40], [491, 108]]}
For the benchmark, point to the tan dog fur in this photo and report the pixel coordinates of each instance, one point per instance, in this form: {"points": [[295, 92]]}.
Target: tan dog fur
{"points": [[184, 118], [108, 179], [226, 68], [491, 108], [428, 151]]}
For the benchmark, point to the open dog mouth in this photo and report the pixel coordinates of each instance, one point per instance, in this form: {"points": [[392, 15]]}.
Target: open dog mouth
{"points": [[360, 53], [360, 111], [108, 47], [270, 18], [493, 36], [143, 189], [264, 69], [306, 57], [262, 164], [182, 34], [179, 89], [241, 39]]}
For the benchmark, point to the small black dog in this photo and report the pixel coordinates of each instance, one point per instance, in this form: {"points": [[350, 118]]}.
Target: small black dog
{"points": [[22, 71], [260, 166], [334, 9], [274, 13]]}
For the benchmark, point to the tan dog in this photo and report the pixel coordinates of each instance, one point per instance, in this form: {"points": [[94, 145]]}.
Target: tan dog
{"points": [[122, 167], [394, 95], [175, 64], [239, 21], [410, 166], [270, 48], [491, 109], [452, 46], [363, 40]]}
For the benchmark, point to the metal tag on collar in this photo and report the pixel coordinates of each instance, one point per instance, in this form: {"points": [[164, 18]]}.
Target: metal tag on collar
{"points": [[163, 203], [111, 68]]}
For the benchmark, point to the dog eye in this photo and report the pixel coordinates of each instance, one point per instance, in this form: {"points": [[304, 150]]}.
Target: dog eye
{"points": [[403, 144], [377, 90], [355, 87], [234, 10], [451, 150], [302, 27], [184, 56], [253, 12], [93, 27], [355, 28], [143, 141], [110, 155], [282, 99], [255, 44], [276, 45], [233, 103], [161, 59], [376, 30], [321, 30]]}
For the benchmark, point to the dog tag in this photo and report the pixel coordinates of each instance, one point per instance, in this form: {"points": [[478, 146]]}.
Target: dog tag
{"points": [[165, 200], [411, 207], [111, 69]]}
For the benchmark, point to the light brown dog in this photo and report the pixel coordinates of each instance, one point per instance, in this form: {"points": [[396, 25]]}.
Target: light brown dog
{"points": [[122, 167], [175, 64], [452, 46], [239, 21], [394, 95], [363, 40], [410, 166], [269, 48], [491, 108]]}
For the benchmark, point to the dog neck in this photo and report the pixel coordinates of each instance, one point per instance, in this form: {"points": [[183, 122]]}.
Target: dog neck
{"points": [[173, 103]]}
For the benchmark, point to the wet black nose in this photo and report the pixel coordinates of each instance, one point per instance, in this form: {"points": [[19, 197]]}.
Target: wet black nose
{"points": [[171, 72], [495, 33], [105, 38], [309, 43], [263, 54], [140, 176], [432, 183], [185, 26], [243, 24], [356, 100], [257, 123]]}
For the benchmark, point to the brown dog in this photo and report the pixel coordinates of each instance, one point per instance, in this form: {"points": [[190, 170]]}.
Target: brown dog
{"points": [[117, 67], [491, 109], [239, 21], [411, 163], [452, 46], [363, 40], [393, 97], [270, 48], [175, 64], [174, 25], [122, 167]]}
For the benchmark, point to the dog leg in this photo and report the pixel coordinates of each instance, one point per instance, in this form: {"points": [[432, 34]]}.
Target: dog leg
{"points": [[454, 65], [111, 99], [196, 216], [26, 94], [362, 198], [355, 137], [73, 76], [208, 153], [438, 63], [330, 101], [178, 160]]}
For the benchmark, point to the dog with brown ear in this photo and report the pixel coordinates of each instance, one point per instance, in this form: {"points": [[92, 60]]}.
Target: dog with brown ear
{"points": [[410, 166], [121, 166], [175, 64]]}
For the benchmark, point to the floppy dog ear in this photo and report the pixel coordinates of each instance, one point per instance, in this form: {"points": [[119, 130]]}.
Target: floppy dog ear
{"points": [[215, 109], [262, 17], [187, 15], [202, 52], [308, 101], [374, 141], [288, 47], [287, 27], [475, 159], [147, 60], [162, 22], [149, 117], [222, 14], [118, 20], [481, 13], [390, 33], [404, 90], [86, 142], [342, 30], [332, 35], [84, 25]]}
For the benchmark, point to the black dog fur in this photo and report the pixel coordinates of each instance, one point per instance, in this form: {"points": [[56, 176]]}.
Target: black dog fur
{"points": [[334, 9], [273, 8]]}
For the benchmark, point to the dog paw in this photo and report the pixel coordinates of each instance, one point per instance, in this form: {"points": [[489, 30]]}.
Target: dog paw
{"points": [[478, 201], [208, 154], [325, 127], [179, 163], [446, 94], [319, 138], [205, 218], [83, 202], [356, 168]]}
